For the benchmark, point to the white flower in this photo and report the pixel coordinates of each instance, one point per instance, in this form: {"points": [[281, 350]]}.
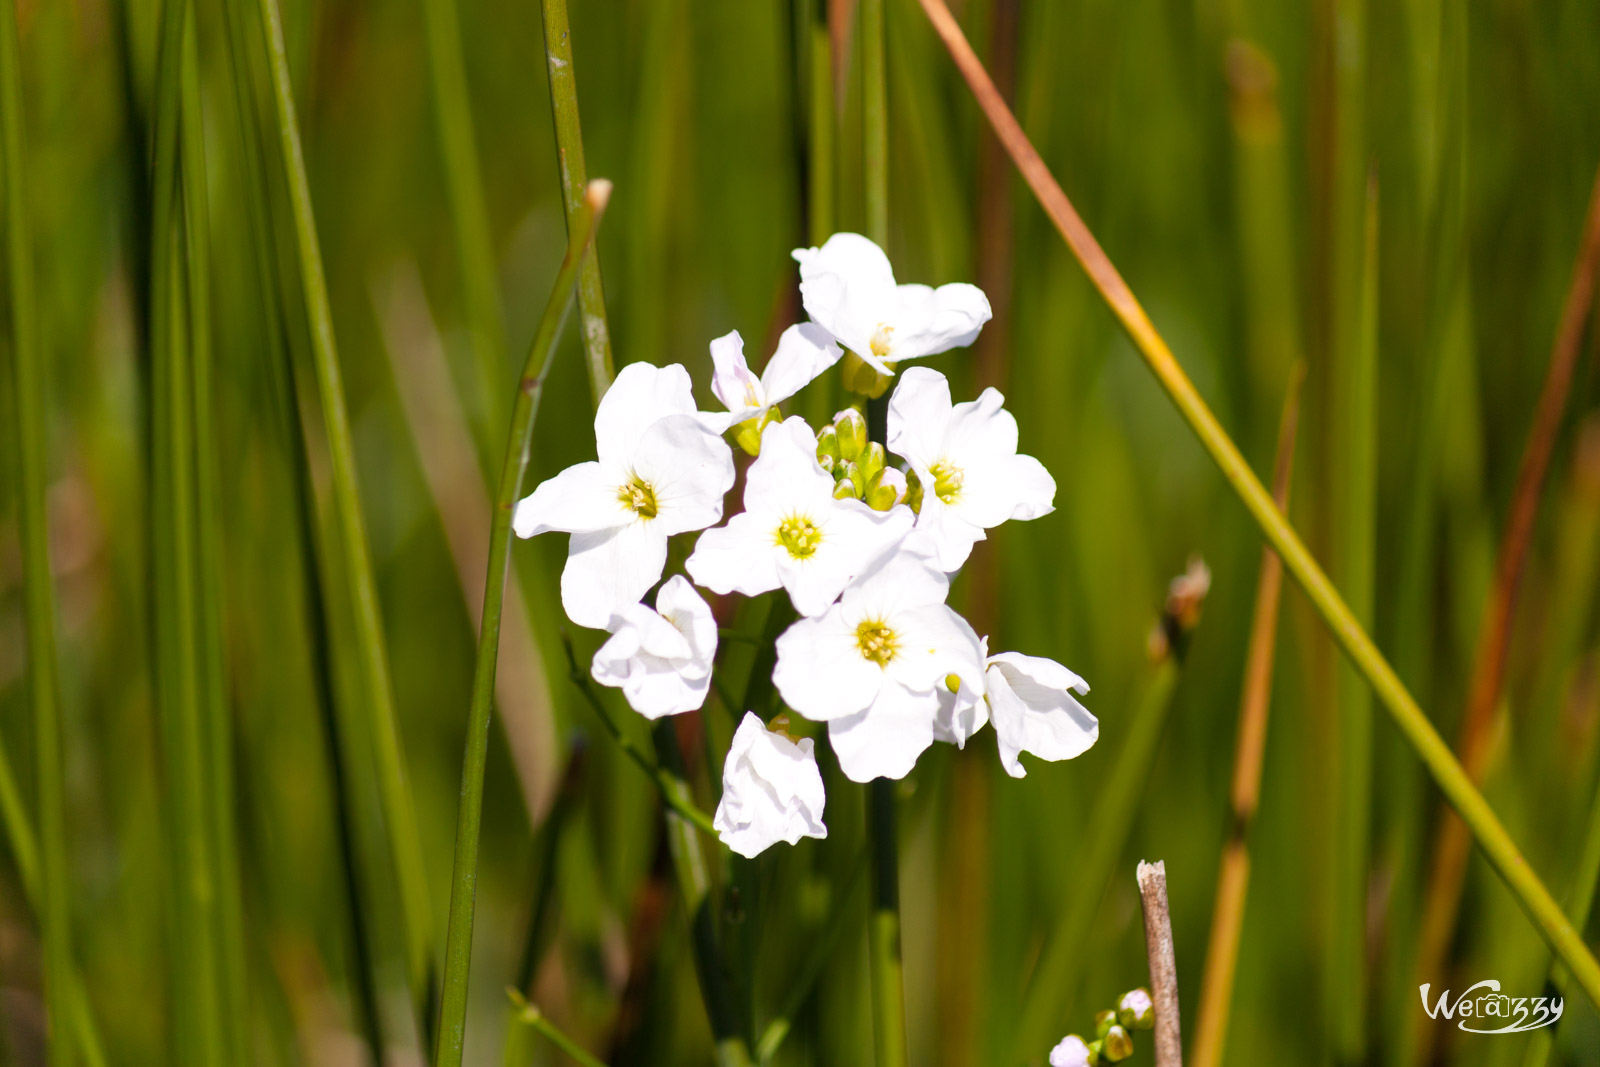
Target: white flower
{"points": [[661, 659], [1033, 710], [1072, 1052], [965, 456], [804, 351], [660, 472], [848, 287], [771, 790], [963, 709], [793, 532], [871, 665], [1136, 1010]]}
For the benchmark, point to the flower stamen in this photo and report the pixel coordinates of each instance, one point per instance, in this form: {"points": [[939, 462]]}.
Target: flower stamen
{"points": [[799, 536], [639, 497], [947, 481], [877, 642], [881, 340]]}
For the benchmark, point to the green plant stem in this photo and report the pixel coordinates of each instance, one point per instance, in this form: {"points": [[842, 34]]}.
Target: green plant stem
{"points": [[574, 179], [674, 791], [875, 121], [1064, 958], [350, 542], [51, 899], [216, 723], [530, 389], [1354, 434], [530, 1016], [1407, 716], [1580, 903], [810, 968], [694, 885], [458, 153], [820, 153]]}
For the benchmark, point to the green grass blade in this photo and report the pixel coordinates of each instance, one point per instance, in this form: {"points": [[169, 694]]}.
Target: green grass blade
{"points": [[51, 898], [464, 881], [574, 182], [350, 544]]}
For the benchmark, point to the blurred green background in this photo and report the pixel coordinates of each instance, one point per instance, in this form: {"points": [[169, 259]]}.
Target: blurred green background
{"points": [[1198, 141]]}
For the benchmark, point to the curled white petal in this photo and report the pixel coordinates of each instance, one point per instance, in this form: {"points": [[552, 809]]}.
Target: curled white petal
{"points": [[661, 659], [771, 790], [1033, 710], [964, 710], [804, 351]]}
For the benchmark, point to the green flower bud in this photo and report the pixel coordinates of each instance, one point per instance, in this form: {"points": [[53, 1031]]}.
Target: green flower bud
{"points": [[1117, 1045], [1103, 1022], [844, 489], [852, 430], [747, 434], [861, 378], [1094, 1052], [872, 460], [913, 491], [858, 481], [886, 489], [1136, 1011], [828, 447], [828, 463]]}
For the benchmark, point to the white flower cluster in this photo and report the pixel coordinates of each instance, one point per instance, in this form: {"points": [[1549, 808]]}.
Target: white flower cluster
{"points": [[864, 549]]}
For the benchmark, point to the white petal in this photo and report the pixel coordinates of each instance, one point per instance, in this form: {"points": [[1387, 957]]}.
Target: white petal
{"points": [[786, 475], [771, 790], [690, 470], [1071, 1052], [902, 580], [804, 352], [847, 287], [885, 740], [691, 616], [930, 321], [980, 428], [662, 689], [731, 380], [1014, 487], [1033, 709], [736, 558], [947, 532], [935, 643], [919, 410], [820, 670], [609, 570], [641, 394], [580, 499], [964, 712]]}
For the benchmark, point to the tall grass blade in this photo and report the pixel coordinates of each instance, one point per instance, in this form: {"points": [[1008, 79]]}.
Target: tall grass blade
{"points": [[1408, 717], [464, 880], [354, 567]]}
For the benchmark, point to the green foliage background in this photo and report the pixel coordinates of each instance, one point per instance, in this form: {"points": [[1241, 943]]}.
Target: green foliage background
{"points": [[1210, 175]]}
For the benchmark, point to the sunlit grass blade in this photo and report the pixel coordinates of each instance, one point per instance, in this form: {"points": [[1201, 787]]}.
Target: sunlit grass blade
{"points": [[458, 152], [1255, 705], [464, 880], [574, 182], [350, 544], [1448, 863], [28, 439], [1407, 716]]}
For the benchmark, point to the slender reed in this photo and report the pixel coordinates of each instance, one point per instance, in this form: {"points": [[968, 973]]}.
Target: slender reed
{"points": [[1448, 865], [458, 152], [574, 180], [1353, 436], [1408, 717], [674, 792], [1580, 901], [51, 901], [1163, 963], [1233, 874], [350, 543], [464, 879]]}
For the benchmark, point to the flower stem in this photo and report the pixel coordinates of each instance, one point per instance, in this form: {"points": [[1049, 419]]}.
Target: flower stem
{"points": [[530, 1016], [1408, 717], [674, 791], [1233, 873], [694, 885], [350, 542], [875, 122], [574, 179], [464, 880], [50, 884], [1163, 962]]}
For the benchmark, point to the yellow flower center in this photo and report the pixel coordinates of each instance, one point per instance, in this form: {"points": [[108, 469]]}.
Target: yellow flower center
{"points": [[638, 496], [799, 536], [877, 642], [947, 480], [880, 341]]}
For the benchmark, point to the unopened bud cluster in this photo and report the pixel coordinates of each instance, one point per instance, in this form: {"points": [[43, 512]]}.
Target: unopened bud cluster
{"points": [[1113, 1030], [859, 467]]}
